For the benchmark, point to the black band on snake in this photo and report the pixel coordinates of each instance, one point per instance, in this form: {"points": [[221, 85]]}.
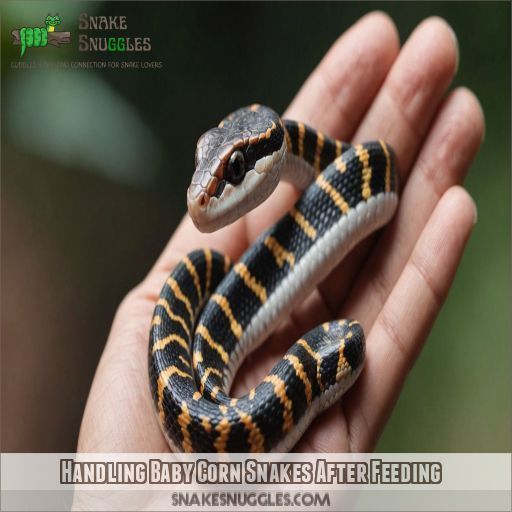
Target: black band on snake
{"points": [[211, 313]]}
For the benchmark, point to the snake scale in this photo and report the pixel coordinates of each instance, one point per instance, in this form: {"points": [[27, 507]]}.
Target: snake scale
{"points": [[211, 314]]}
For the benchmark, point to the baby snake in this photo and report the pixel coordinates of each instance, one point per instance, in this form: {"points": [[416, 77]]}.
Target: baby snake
{"points": [[211, 313]]}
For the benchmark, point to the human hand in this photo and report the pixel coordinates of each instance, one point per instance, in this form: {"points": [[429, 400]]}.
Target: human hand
{"points": [[393, 283]]}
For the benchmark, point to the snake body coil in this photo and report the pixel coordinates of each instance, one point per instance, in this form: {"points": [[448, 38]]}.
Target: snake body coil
{"points": [[211, 314]]}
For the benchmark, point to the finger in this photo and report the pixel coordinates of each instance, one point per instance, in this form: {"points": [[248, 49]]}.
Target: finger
{"points": [[407, 317], [401, 115], [338, 92], [443, 162], [408, 100], [335, 97]]}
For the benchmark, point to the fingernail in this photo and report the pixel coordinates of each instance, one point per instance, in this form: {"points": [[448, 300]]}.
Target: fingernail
{"points": [[456, 42], [475, 216], [483, 121]]}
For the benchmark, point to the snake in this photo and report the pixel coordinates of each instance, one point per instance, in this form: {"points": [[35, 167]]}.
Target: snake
{"points": [[212, 313], [37, 36]]}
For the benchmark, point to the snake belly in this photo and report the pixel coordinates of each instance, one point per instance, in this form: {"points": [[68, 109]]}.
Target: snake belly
{"points": [[211, 314]]}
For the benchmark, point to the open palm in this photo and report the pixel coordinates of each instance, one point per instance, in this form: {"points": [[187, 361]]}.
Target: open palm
{"points": [[394, 283]]}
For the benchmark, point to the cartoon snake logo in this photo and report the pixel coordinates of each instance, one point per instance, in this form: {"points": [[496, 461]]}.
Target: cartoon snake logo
{"points": [[29, 37]]}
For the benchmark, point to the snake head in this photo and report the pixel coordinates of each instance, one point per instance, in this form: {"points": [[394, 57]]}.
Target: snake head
{"points": [[238, 165], [52, 21]]}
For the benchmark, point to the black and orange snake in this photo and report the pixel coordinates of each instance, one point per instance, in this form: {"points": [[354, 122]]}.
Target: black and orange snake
{"points": [[211, 313]]}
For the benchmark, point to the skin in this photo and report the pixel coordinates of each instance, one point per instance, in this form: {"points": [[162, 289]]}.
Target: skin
{"points": [[394, 283]]}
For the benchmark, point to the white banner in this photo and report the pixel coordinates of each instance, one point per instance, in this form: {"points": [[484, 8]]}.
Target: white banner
{"points": [[402, 481]]}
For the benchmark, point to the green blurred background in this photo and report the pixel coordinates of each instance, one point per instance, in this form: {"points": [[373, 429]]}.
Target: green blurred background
{"points": [[95, 165]]}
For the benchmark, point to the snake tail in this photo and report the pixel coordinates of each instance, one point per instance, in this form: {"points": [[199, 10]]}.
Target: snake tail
{"points": [[23, 35]]}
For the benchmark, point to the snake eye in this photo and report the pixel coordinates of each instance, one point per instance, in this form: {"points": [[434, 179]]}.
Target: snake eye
{"points": [[235, 170]]}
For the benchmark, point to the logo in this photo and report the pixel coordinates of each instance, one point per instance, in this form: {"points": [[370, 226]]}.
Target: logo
{"points": [[37, 37]]}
